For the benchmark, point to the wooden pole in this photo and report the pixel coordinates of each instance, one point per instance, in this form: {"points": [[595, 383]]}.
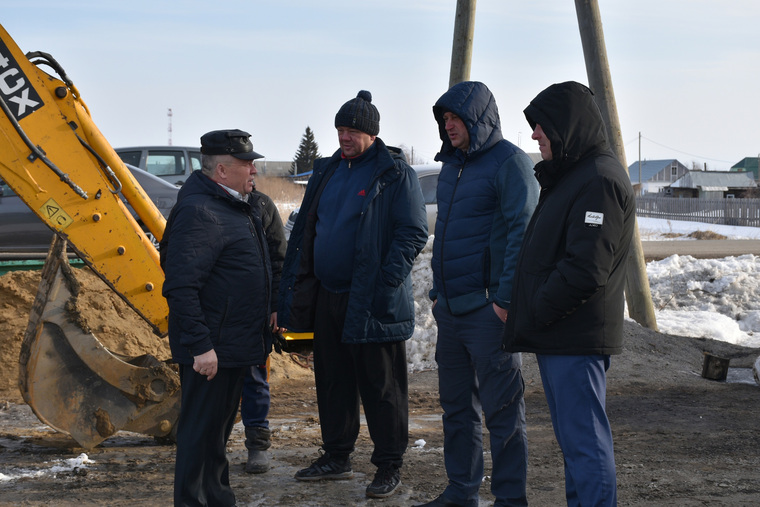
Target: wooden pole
{"points": [[637, 292], [461, 52]]}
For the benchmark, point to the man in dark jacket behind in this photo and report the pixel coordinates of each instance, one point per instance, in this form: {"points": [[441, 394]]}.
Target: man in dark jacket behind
{"points": [[567, 302], [218, 278], [486, 194], [256, 400], [347, 276]]}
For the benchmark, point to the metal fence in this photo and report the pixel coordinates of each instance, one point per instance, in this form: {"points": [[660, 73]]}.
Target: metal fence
{"points": [[744, 212]]}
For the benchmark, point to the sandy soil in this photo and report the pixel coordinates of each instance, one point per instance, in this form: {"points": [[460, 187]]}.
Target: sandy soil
{"points": [[680, 439]]}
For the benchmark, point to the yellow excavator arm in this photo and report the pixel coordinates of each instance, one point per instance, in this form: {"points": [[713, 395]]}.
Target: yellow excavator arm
{"points": [[55, 158], [57, 161]]}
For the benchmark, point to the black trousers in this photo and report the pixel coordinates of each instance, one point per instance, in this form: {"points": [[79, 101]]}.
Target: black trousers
{"points": [[374, 373], [206, 417]]}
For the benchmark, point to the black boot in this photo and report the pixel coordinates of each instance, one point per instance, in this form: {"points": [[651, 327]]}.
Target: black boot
{"points": [[257, 443]]}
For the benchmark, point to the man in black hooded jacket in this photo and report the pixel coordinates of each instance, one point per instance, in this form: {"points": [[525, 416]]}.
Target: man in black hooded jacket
{"points": [[567, 300]]}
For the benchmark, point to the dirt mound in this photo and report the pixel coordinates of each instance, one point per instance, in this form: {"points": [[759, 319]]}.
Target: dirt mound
{"points": [[706, 235], [107, 316]]}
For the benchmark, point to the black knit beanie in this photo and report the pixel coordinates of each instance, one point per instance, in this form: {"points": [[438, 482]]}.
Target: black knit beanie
{"points": [[359, 114]]}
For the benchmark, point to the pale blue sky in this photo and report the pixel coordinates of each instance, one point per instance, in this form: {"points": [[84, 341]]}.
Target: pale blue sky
{"points": [[686, 73]]}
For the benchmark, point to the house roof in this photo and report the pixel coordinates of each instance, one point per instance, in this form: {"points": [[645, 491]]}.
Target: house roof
{"points": [[747, 164], [714, 180], [648, 169]]}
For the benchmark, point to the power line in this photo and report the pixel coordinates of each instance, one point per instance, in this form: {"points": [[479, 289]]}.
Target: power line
{"points": [[686, 153]]}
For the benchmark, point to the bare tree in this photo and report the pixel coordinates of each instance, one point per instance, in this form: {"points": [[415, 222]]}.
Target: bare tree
{"points": [[411, 157]]}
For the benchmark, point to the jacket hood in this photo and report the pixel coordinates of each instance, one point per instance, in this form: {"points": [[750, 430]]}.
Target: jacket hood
{"points": [[474, 103], [571, 119]]}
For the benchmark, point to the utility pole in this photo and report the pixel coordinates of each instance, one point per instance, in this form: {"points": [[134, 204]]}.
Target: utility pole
{"points": [[637, 292], [461, 52], [641, 184]]}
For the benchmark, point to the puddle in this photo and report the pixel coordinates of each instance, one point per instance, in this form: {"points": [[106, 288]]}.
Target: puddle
{"points": [[741, 376]]}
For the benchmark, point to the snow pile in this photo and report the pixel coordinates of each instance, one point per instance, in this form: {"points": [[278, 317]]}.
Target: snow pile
{"points": [[420, 349], [708, 298]]}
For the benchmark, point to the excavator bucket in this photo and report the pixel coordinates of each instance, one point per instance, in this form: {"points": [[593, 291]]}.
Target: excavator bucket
{"points": [[74, 384]]}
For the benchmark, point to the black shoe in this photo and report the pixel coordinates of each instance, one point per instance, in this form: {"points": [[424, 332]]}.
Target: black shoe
{"points": [[387, 479], [439, 502], [326, 467]]}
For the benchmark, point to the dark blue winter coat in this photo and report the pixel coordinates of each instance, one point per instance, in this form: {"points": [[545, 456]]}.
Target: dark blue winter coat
{"points": [[485, 199], [391, 233], [218, 276]]}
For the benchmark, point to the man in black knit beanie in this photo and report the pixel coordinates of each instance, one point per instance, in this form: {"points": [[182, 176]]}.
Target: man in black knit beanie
{"points": [[347, 277]]}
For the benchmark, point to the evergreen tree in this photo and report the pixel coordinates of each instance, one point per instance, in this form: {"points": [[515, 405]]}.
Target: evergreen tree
{"points": [[308, 152]]}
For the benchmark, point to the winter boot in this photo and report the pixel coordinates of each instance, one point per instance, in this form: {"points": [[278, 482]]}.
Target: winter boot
{"points": [[257, 443]]}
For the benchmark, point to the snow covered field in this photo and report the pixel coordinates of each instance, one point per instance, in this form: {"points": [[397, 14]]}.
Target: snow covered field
{"points": [[655, 229], [711, 298]]}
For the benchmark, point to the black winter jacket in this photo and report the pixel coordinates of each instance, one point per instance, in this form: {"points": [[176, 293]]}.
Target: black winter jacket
{"points": [[218, 276], [275, 236], [570, 276]]}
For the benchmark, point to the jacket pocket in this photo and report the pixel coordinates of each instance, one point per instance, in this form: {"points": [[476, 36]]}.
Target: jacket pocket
{"points": [[487, 269], [527, 320], [390, 304]]}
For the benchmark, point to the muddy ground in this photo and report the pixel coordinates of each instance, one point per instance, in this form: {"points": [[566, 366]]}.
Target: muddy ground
{"points": [[679, 439]]}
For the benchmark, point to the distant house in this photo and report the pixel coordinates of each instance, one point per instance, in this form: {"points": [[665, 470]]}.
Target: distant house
{"points": [[713, 185], [748, 164], [650, 176]]}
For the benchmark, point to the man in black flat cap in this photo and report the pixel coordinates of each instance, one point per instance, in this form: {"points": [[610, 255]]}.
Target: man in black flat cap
{"points": [[347, 276], [218, 286]]}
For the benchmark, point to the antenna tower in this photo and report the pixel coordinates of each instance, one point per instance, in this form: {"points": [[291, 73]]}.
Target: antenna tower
{"points": [[169, 115]]}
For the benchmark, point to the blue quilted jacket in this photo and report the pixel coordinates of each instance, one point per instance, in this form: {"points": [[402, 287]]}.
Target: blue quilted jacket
{"points": [[485, 200]]}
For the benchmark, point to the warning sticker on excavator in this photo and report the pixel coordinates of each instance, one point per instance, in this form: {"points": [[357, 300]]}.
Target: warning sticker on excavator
{"points": [[55, 215]]}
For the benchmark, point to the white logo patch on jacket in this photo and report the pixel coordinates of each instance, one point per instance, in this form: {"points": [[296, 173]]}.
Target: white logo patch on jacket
{"points": [[594, 219]]}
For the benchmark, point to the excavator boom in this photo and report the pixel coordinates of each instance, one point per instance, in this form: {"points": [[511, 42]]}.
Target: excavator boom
{"points": [[57, 161]]}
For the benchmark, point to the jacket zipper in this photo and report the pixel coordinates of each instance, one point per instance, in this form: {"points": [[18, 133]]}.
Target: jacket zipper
{"points": [[487, 269], [445, 226], [266, 279]]}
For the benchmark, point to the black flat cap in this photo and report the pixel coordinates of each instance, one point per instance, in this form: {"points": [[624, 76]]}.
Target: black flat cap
{"points": [[229, 142]]}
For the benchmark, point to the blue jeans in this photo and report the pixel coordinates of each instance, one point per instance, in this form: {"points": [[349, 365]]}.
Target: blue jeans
{"points": [[254, 407], [575, 388], [476, 375]]}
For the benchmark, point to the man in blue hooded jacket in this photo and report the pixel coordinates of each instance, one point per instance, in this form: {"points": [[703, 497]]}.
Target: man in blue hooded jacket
{"points": [[486, 195], [347, 276]]}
